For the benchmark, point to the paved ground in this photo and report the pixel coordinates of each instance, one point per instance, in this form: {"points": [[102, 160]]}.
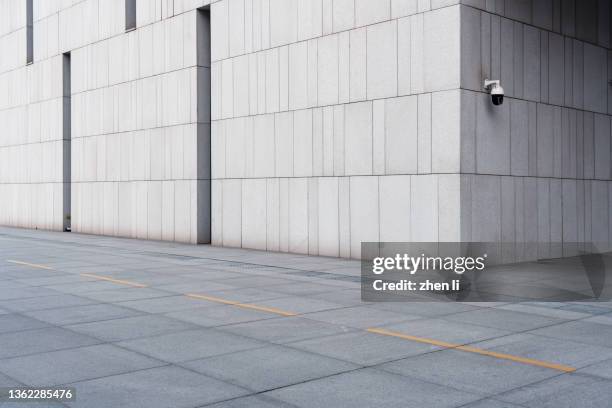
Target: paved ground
{"points": [[146, 324]]}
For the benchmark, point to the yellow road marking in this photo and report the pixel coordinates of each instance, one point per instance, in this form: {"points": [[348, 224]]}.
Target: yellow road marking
{"points": [[503, 356], [242, 305], [29, 264], [119, 281]]}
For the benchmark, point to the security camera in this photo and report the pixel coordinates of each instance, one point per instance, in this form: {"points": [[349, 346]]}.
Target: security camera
{"points": [[496, 91]]}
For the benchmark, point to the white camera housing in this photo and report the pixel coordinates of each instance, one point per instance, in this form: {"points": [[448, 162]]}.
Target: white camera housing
{"points": [[496, 91]]}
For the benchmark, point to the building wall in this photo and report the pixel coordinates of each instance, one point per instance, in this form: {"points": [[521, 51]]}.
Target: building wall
{"points": [[330, 122], [140, 135], [334, 122], [31, 135], [538, 168]]}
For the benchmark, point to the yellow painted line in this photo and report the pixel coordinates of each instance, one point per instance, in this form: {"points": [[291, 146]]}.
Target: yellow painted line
{"points": [[29, 264], [119, 281], [242, 305], [469, 349]]}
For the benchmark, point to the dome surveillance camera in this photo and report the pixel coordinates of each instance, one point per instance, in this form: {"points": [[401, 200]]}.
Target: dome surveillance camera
{"points": [[496, 91]]}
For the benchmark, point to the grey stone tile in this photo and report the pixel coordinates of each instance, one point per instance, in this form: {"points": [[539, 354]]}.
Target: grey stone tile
{"points": [[302, 288], [470, 372], [444, 330], [602, 369], [544, 311], [253, 401], [195, 286], [364, 348], [371, 388], [14, 322], [157, 387], [346, 297], [359, 317], [300, 304], [221, 315], [124, 294], [490, 403], [77, 364], [269, 367], [246, 294], [426, 309], [566, 391], [41, 340], [24, 293], [32, 404], [79, 288], [600, 319], [46, 302], [504, 319], [551, 350], [6, 381], [190, 345], [82, 314], [285, 330], [131, 327], [166, 304], [581, 332]]}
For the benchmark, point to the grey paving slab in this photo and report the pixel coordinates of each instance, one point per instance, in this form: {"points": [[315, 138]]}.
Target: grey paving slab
{"points": [[359, 317], [602, 369], [548, 349], [426, 309], [124, 294], [470, 372], [194, 286], [269, 367], [256, 282], [157, 387], [221, 315], [490, 403], [346, 297], [78, 288], [29, 404], [246, 294], [600, 319], [371, 388], [6, 381], [24, 293], [544, 311], [581, 332], [300, 304], [166, 304], [444, 330], [53, 280], [77, 364], [565, 391], [504, 319], [46, 302], [131, 327], [364, 348], [190, 345], [285, 330], [302, 288], [41, 340], [81, 314], [252, 401], [15, 322]]}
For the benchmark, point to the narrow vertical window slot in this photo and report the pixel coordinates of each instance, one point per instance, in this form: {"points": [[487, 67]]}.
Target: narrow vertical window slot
{"points": [[29, 32], [67, 141], [130, 15]]}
